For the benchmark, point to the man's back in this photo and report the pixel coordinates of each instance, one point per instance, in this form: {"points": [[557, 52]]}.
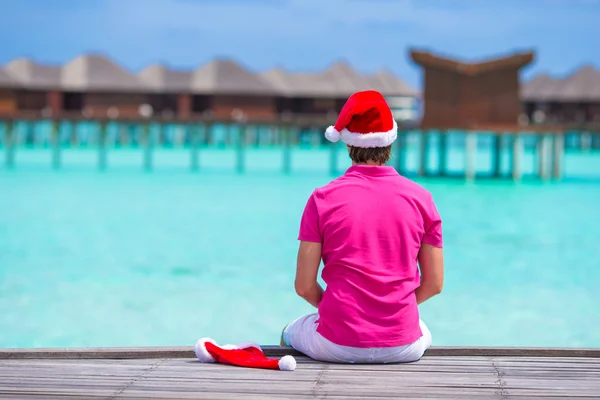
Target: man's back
{"points": [[371, 222]]}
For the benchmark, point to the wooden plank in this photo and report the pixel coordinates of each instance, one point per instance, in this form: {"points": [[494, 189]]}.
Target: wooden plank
{"points": [[279, 351], [175, 378]]}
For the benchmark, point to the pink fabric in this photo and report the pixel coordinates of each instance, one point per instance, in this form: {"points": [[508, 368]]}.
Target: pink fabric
{"points": [[371, 222]]}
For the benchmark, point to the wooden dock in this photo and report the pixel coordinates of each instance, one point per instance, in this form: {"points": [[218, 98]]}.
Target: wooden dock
{"points": [[174, 373]]}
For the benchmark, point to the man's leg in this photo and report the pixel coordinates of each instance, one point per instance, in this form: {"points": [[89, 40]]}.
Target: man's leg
{"points": [[281, 341]]}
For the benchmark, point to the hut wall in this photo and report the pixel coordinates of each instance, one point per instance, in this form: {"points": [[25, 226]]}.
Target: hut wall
{"points": [[8, 103], [455, 99], [98, 104], [253, 106], [54, 100], [30, 100], [184, 105], [162, 103]]}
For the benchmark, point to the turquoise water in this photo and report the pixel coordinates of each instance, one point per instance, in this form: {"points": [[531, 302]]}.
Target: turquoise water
{"points": [[128, 258]]}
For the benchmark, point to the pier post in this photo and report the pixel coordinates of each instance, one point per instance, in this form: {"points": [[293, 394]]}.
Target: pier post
{"points": [[586, 141], [559, 144], [596, 141], [9, 144], [194, 133], [497, 166], [401, 152], [443, 153], [543, 149], [517, 154], [56, 145], [148, 146], [424, 153], [286, 133], [470, 155], [240, 148], [102, 146]]}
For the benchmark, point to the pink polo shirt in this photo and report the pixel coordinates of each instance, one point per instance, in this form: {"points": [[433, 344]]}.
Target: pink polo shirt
{"points": [[371, 222]]}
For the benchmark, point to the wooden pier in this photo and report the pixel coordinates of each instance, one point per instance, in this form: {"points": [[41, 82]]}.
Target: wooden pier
{"points": [[432, 145], [174, 373]]}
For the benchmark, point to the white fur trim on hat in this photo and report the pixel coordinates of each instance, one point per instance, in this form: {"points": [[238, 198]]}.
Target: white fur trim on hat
{"points": [[287, 363], [375, 139], [201, 352], [332, 134], [245, 345]]}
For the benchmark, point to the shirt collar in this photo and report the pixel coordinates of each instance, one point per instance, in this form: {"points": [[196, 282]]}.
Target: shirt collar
{"points": [[372, 170]]}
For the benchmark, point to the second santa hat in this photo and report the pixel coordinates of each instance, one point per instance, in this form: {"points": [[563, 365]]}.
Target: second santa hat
{"points": [[365, 121], [246, 354]]}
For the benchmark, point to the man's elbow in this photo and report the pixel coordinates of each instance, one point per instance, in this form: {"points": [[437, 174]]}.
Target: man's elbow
{"points": [[304, 289], [434, 288], [301, 289]]}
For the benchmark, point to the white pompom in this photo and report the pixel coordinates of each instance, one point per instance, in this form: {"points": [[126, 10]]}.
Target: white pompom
{"points": [[201, 352], [287, 363], [332, 134]]}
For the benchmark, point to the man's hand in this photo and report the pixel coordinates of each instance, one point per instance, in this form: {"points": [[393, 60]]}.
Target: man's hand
{"points": [[307, 270]]}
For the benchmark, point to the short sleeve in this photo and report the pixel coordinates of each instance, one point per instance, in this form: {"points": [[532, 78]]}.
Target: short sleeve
{"points": [[309, 224], [433, 224]]}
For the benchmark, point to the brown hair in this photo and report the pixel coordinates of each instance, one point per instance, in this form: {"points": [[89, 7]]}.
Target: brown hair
{"points": [[378, 155]]}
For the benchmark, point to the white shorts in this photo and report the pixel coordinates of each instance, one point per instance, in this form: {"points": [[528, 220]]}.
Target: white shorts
{"points": [[302, 335]]}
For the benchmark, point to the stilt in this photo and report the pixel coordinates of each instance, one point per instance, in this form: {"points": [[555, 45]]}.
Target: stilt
{"points": [[194, 133], [102, 146], [401, 153], [148, 146], [586, 141], [596, 141], [9, 144], [559, 143], [517, 154], [241, 144], [424, 153], [443, 154], [470, 154], [56, 145], [286, 133], [497, 167], [543, 148]]}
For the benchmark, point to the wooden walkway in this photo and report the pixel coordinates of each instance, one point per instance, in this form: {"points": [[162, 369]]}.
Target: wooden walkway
{"points": [[173, 373]]}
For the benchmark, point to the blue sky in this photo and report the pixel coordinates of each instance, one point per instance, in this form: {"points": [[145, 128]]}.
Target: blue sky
{"points": [[302, 35]]}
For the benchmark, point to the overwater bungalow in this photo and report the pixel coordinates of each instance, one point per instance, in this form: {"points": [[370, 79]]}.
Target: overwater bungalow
{"points": [[573, 100], [93, 86]]}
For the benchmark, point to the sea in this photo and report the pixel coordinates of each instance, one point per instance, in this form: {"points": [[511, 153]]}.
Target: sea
{"points": [[162, 257]]}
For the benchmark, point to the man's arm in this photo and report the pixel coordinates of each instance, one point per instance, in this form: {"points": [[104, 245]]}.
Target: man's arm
{"points": [[307, 270], [431, 263]]}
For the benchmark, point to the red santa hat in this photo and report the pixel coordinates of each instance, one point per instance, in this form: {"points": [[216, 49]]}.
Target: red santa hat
{"points": [[365, 121], [246, 354]]}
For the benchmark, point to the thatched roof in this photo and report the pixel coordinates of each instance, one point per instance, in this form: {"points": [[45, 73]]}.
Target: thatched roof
{"points": [[162, 79], [92, 72], [427, 59], [339, 80], [582, 85], [227, 77], [387, 83], [300, 84], [6, 81], [97, 73], [29, 74]]}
